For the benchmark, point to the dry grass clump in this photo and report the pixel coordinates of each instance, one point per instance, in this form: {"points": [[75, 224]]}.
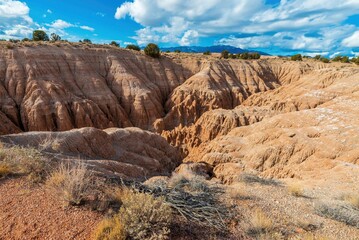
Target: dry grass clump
{"points": [[73, 183], [4, 170], [196, 200], [296, 190], [141, 216], [342, 213], [312, 237], [23, 161], [352, 199], [260, 223], [251, 178]]}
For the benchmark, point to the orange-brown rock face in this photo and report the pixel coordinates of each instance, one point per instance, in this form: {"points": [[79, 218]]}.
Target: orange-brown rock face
{"points": [[59, 88], [130, 153], [55, 89]]}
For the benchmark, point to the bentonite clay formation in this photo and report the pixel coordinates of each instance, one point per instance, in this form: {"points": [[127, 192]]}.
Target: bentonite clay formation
{"points": [[277, 117]]}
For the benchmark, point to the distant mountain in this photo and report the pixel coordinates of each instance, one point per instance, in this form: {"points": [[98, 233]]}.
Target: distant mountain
{"points": [[213, 49]]}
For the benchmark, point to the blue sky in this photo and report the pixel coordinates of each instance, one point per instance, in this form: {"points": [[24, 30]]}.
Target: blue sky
{"points": [[325, 27]]}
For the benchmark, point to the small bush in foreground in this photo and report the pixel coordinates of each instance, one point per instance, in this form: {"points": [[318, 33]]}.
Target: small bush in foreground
{"points": [[296, 190], [342, 213], [72, 183], [260, 223], [352, 199], [24, 161], [141, 216]]}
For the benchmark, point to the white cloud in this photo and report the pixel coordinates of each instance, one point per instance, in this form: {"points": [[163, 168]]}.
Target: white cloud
{"points": [[189, 38], [100, 14], [87, 28], [288, 25], [60, 24], [352, 41], [49, 11], [10, 9]]}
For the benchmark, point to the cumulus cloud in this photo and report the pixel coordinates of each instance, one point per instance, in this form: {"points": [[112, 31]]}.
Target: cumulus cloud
{"points": [[10, 9], [352, 41], [285, 25], [87, 28], [15, 21], [60, 24]]}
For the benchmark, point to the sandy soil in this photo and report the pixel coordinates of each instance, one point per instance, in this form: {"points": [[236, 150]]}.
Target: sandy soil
{"points": [[30, 212]]}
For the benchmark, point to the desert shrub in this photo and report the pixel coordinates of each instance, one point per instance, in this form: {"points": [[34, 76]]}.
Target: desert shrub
{"points": [[152, 50], [340, 58], [355, 60], [317, 57], [133, 47], [113, 43], [54, 37], [207, 53], [110, 229], [251, 178], [4, 170], [352, 199], [26, 40], [141, 216], [342, 213], [197, 201], [324, 60], [247, 55], [225, 54], [296, 57], [14, 40], [87, 41], [39, 35], [260, 223], [296, 190], [232, 56], [9, 46], [177, 51], [72, 183], [24, 161]]}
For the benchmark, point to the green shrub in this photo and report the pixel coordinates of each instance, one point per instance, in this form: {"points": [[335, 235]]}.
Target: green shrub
{"points": [[113, 43], [355, 60], [177, 51], [152, 50], [324, 60], [133, 47], [296, 57], [87, 41], [207, 53], [225, 54], [317, 57], [39, 35], [55, 37], [340, 58]]}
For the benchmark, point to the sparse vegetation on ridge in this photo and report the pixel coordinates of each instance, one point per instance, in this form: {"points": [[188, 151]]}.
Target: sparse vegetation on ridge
{"points": [[296, 57], [152, 50], [133, 47]]}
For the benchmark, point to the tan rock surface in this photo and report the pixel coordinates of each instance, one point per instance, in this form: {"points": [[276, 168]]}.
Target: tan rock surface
{"points": [[314, 143], [128, 153]]}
